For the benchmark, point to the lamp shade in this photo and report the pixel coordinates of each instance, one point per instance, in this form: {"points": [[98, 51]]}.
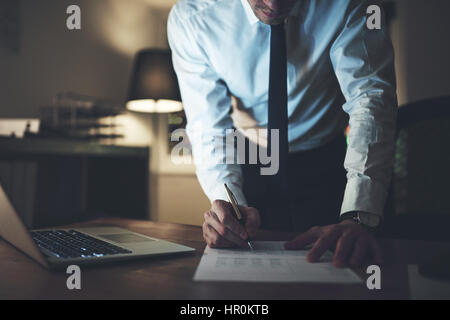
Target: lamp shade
{"points": [[154, 85]]}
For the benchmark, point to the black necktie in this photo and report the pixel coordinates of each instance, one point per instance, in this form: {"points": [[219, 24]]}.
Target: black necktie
{"points": [[278, 118]]}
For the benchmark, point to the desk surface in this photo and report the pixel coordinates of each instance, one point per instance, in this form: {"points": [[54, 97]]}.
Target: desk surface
{"points": [[171, 277]]}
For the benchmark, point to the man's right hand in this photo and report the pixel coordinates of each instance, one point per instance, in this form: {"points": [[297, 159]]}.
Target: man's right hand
{"points": [[222, 230]]}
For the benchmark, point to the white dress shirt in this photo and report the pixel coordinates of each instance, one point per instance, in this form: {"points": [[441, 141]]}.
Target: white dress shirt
{"points": [[221, 50]]}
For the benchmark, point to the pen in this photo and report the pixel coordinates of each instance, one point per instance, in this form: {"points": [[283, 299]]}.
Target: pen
{"points": [[236, 211]]}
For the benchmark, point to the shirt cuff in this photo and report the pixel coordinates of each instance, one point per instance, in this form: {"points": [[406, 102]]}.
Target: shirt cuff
{"points": [[365, 195], [220, 194]]}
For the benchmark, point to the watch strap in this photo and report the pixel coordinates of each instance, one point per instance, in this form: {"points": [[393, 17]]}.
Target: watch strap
{"points": [[355, 217]]}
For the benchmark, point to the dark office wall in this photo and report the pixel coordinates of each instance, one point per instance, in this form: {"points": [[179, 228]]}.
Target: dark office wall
{"points": [[94, 61], [421, 39], [97, 60]]}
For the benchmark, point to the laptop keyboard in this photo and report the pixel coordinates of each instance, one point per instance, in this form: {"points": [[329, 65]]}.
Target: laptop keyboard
{"points": [[73, 244]]}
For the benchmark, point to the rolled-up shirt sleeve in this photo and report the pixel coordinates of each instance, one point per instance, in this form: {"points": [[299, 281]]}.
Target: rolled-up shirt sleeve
{"points": [[363, 61], [207, 104]]}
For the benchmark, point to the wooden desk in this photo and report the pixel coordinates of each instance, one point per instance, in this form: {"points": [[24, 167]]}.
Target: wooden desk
{"points": [[171, 277]]}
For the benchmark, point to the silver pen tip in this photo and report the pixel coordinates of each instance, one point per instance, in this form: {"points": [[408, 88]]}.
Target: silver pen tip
{"points": [[250, 245]]}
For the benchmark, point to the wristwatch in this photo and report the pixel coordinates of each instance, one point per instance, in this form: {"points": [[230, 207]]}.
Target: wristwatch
{"points": [[368, 220]]}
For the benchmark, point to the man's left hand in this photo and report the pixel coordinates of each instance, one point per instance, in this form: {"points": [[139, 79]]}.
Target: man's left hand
{"points": [[353, 244]]}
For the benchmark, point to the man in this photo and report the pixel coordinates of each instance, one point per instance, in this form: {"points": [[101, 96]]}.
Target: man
{"points": [[289, 64]]}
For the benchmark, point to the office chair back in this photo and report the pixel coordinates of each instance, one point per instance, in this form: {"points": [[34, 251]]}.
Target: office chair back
{"points": [[419, 201]]}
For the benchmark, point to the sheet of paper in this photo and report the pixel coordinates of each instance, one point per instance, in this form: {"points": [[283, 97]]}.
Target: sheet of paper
{"points": [[269, 263]]}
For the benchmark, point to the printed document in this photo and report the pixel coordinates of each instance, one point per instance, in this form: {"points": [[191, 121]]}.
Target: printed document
{"points": [[269, 262]]}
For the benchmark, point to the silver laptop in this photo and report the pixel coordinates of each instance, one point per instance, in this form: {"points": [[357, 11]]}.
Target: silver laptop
{"points": [[62, 247]]}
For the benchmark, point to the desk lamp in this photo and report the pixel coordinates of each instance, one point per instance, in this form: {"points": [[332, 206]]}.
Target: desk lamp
{"points": [[154, 86]]}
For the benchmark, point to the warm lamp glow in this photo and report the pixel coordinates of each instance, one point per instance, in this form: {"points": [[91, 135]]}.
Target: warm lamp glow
{"points": [[154, 85], [154, 106]]}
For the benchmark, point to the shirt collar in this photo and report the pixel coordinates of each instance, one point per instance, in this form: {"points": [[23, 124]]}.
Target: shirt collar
{"points": [[252, 18]]}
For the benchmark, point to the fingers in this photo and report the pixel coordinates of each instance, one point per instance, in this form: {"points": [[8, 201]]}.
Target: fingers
{"points": [[223, 211], [360, 252], [213, 239], [252, 220], [324, 243], [222, 227], [377, 252], [352, 250], [366, 247], [303, 240], [222, 230], [343, 250], [353, 244]]}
